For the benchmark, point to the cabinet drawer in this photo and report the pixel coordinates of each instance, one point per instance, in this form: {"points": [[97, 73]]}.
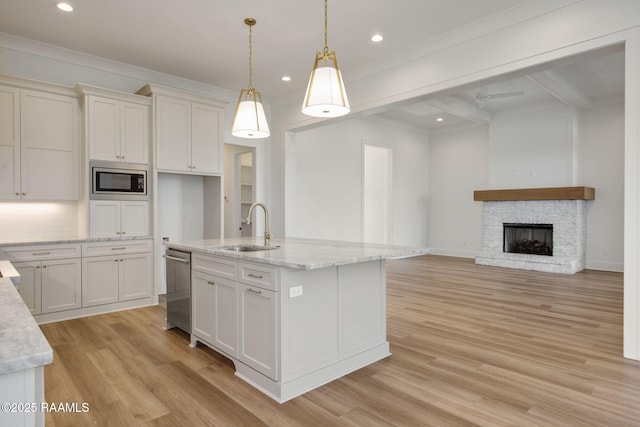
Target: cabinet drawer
{"points": [[215, 265], [40, 252], [110, 248], [259, 275]]}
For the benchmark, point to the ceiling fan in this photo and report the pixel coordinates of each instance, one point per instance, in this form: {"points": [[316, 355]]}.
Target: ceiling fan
{"points": [[483, 97]]}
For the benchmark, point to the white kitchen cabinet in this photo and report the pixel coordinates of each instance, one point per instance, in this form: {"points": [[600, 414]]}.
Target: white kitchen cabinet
{"points": [[202, 306], [188, 131], [99, 280], [50, 275], [38, 145], [257, 323], [117, 218], [214, 308], [234, 310], [51, 285], [9, 143], [117, 130], [61, 285], [109, 279], [30, 284], [116, 272]]}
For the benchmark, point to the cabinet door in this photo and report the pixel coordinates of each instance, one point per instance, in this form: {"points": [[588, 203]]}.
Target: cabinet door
{"points": [[99, 280], [202, 304], [29, 287], [257, 326], [9, 143], [61, 285], [173, 134], [104, 218], [49, 146], [134, 276], [134, 218], [205, 139], [134, 132], [225, 315], [104, 129]]}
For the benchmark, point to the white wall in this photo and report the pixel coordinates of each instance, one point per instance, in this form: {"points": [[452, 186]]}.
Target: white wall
{"points": [[458, 165], [326, 199], [532, 147], [600, 164]]}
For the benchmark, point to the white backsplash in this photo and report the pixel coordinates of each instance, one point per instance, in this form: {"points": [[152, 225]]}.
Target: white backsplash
{"points": [[38, 221]]}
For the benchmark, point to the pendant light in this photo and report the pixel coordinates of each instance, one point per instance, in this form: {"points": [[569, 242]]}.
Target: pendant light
{"points": [[249, 120], [325, 95]]}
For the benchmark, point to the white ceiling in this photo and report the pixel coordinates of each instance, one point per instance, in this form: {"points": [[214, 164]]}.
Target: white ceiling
{"points": [[207, 41]]}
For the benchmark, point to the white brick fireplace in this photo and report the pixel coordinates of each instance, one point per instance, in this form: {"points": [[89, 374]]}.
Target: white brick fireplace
{"points": [[565, 208]]}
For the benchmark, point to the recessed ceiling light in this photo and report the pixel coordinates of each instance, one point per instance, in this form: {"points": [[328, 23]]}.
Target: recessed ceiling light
{"points": [[377, 38], [286, 78], [439, 119], [64, 6]]}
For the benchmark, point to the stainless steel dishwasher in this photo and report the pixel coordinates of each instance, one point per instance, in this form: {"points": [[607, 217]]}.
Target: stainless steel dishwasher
{"points": [[178, 273]]}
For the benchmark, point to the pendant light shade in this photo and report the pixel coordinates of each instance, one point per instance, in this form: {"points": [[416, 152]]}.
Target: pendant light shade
{"points": [[249, 120], [325, 96]]}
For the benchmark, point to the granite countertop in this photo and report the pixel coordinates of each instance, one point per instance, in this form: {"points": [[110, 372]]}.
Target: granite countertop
{"points": [[22, 344], [66, 240], [301, 254]]}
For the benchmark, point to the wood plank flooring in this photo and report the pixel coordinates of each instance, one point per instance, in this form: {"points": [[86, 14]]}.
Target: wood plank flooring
{"points": [[472, 345]]}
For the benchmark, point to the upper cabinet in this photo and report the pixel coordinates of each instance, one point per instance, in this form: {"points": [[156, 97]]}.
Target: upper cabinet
{"points": [[117, 125], [38, 143], [188, 131]]}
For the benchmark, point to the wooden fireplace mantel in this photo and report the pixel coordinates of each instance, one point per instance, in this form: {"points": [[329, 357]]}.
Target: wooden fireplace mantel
{"points": [[555, 193]]}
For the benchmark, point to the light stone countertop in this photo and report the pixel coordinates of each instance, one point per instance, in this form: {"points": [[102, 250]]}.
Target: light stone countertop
{"points": [[22, 344], [301, 254], [65, 240]]}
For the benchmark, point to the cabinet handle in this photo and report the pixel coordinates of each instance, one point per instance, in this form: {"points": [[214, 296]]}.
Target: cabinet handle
{"points": [[37, 266], [123, 232], [44, 266], [121, 260], [211, 282], [24, 194], [41, 253], [17, 194], [118, 249], [253, 291], [257, 276], [115, 260]]}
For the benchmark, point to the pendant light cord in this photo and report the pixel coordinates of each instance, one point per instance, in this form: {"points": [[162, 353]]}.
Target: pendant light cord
{"points": [[250, 61], [326, 20]]}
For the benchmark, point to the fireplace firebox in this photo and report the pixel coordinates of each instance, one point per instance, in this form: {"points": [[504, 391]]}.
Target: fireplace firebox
{"points": [[531, 239]]}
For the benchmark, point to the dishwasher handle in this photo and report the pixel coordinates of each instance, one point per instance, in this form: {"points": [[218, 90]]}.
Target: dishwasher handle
{"points": [[186, 261]]}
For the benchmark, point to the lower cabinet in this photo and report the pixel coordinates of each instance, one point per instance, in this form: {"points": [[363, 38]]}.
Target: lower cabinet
{"points": [[214, 311], [257, 329], [48, 286], [234, 317], [67, 276], [119, 276]]}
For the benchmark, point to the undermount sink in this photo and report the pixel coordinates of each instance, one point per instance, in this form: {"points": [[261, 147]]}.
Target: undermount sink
{"points": [[246, 248]]}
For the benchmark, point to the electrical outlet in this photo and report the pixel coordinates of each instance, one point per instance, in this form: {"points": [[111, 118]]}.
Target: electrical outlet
{"points": [[296, 291]]}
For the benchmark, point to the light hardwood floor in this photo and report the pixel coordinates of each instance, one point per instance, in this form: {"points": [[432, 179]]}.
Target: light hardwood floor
{"points": [[472, 345]]}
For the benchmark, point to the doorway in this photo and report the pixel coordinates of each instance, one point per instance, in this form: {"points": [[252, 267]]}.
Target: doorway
{"points": [[239, 189]]}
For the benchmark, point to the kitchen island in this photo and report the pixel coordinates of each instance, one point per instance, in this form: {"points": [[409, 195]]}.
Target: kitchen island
{"points": [[295, 315], [23, 353]]}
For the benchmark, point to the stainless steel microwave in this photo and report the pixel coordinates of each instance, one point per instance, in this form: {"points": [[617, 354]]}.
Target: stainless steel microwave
{"points": [[118, 181]]}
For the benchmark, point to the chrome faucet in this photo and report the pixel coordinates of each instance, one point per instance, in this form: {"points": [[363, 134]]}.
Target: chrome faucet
{"points": [[267, 235]]}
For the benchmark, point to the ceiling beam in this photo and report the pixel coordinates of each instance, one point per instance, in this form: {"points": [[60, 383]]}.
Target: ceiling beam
{"points": [[562, 88]]}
